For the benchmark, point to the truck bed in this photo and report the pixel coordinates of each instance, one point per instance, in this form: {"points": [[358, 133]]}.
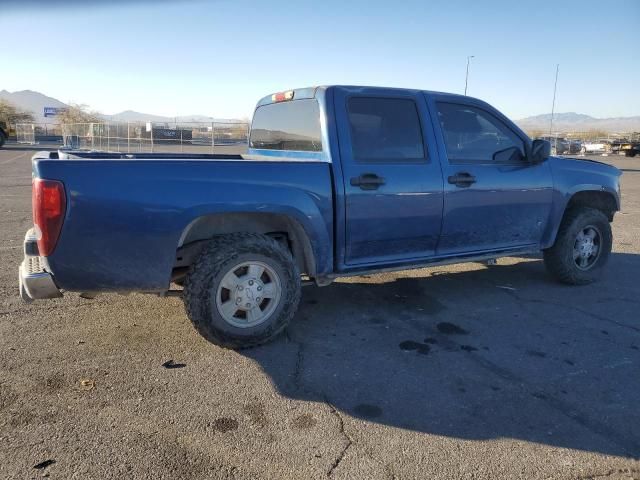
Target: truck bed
{"points": [[128, 214]]}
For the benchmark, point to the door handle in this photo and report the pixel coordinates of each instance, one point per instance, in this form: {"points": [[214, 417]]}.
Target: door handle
{"points": [[462, 179], [367, 181]]}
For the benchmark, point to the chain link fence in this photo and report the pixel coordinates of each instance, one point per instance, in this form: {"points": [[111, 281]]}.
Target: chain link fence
{"points": [[591, 142], [131, 137], [26, 133], [209, 137]]}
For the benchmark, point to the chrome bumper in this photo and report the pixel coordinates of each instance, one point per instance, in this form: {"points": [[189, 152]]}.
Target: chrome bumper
{"points": [[36, 283]]}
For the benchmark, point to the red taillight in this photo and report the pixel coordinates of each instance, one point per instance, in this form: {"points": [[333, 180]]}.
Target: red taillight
{"points": [[49, 205]]}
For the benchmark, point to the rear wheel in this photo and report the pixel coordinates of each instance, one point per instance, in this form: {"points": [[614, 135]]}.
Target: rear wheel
{"points": [[582, 247], [243, 290]]}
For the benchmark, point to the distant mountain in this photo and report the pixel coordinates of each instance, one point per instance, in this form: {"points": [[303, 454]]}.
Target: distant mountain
{"points": [[133, 116], [568, 117], [33, 102], [579, 122]]}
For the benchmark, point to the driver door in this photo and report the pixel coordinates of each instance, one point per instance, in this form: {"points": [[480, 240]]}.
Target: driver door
{"points": [[494, 198]]}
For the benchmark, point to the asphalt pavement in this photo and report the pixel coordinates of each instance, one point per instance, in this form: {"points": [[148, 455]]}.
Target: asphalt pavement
{"points": [[464, 371]]}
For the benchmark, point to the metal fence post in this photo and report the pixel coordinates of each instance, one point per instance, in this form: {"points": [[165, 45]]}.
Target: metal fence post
{"points": [[212, 138], [151, 137]]}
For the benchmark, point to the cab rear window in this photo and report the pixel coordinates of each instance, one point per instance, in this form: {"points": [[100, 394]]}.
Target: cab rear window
{"points": [[291, 125]]}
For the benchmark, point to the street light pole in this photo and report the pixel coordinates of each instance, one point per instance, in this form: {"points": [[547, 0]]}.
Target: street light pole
{"points": [[466, 78], [553, 105]]}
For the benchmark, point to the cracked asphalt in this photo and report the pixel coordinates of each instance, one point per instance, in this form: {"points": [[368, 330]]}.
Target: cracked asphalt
{"points": [[465, 371]]}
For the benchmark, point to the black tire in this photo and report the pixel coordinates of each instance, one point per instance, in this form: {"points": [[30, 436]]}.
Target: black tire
{"points": [[559, 259], [3, 139], [203, 281]]}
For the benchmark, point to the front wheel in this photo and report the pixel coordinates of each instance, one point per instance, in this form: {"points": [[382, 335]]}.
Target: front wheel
{"points": [[243, 290], [582, 247]]}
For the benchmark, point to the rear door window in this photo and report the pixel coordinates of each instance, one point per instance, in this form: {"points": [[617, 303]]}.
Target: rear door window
{"points": [[293, 125], [385, 130]]}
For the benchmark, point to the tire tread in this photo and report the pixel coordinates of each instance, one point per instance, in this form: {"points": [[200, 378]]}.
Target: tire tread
{"points": [[207, 266], [555, 258]]}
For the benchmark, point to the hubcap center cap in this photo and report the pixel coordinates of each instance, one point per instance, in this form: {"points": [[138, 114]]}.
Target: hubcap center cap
{"points": [[248, 293], [586, 247]]}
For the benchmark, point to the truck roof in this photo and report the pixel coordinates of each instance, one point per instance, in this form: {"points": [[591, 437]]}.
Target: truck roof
{"points": [[310, 92]]}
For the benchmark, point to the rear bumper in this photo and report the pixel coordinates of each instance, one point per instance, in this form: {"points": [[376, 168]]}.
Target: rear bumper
{"points": [[36, 283]]}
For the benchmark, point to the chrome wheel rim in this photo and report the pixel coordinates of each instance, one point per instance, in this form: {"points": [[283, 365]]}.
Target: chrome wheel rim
{"points": [[587, 247], [248, 294]]}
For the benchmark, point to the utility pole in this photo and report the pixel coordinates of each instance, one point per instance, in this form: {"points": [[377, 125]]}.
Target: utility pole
{"points": [[466, 78], [553, 105]]}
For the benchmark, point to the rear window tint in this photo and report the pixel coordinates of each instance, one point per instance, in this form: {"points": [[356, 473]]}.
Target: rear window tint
{"points": [[291, 125], [385, 130]]}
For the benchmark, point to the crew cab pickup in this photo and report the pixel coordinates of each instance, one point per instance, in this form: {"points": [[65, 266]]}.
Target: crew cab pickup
{"points": [[337, 181]]}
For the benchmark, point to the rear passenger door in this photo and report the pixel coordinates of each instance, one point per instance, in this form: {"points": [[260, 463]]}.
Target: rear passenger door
{"points": [[393, 189]]}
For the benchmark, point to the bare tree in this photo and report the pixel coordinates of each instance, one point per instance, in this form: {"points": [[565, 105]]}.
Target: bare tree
{"points": [[10, 114], [78, 113]]}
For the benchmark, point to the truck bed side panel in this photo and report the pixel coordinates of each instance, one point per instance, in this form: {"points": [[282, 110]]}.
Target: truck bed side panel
{"points": [[125, 217]]}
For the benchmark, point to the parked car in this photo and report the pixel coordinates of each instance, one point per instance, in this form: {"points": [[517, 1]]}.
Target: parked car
{"points": [[574, 146], [338, 181], [597, 146], [4, 133], [559, 145], [626, 147], [630, 149]]}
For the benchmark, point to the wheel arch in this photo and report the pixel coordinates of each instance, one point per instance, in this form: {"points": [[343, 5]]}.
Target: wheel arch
{"points": [[602, 200], [282, 227], [591, 197]]}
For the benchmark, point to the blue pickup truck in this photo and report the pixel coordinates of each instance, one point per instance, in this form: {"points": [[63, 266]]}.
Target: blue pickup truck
{"points": [[337, 181]]}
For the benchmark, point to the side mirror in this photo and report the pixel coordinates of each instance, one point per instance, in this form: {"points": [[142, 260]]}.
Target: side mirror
{"points": [[540, 151], [508, 155]]}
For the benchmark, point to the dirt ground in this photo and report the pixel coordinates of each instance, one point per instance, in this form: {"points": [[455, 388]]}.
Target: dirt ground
{"points": [[465, 371]]}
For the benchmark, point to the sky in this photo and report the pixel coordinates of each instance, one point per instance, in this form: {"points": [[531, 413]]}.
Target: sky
{"points": [[217, 58]]}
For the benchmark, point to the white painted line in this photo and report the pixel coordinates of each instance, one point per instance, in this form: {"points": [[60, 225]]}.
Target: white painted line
{"points": [[9, 160]]}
